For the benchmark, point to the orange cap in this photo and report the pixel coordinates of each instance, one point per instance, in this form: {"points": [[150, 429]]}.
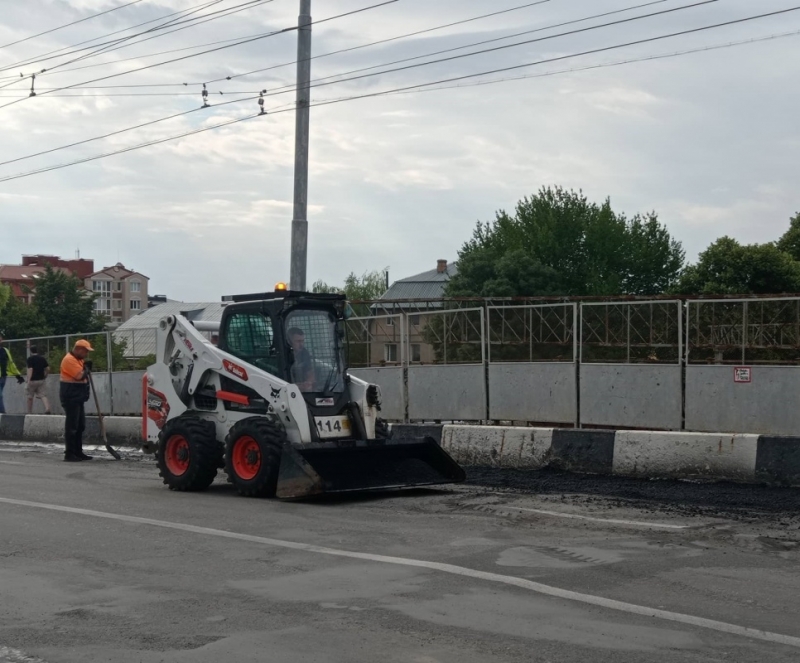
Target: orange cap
{"points": [[83, 343]]}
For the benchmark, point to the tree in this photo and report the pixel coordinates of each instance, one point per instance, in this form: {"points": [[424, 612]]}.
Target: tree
{"points": [[729, 268], [64, 304], [368, 286], [18, 320], [790, 242], [558, 243], [5, 295]]}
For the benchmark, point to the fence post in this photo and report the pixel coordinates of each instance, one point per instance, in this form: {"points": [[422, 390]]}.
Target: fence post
{"points": [[110, 364], [405, 336], [578, 322]]}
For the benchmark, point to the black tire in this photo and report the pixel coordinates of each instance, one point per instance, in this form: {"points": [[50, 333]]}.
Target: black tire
{"points": [[253, 450], [188, 454], [381, 429]]}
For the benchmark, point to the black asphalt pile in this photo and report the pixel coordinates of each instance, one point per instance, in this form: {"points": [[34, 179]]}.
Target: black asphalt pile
{"points": [[710, 499]]}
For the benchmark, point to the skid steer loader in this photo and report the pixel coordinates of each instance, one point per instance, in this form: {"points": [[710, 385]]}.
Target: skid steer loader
{"points": [[274, 405]]}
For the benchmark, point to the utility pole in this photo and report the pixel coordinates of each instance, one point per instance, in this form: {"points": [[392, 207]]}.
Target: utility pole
{"points": [[300, 221]]}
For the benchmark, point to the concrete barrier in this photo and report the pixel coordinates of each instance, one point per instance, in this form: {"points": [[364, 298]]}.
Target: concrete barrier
{"points": [[121, 431], [642, 454]]}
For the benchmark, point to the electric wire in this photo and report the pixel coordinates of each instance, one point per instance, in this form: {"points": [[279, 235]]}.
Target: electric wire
{"points": [[43, 56], [213, 50], [422, 86], [67, 25], [115, 44], [511, 36]]}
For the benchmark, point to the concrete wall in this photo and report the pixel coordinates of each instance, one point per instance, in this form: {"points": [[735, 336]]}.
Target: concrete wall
{"points": [[770, 404], [127, 395], [447, 393], [538, 392], [631, 396], [390, 380]]}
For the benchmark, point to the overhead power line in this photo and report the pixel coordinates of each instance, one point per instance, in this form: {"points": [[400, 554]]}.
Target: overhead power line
{"points": [[61, 27], [43, 56], [186, 57], [429, 86], [123, 42], [470, 45], [617, 63]]}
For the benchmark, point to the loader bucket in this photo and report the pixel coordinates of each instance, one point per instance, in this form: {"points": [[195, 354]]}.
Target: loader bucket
{"points": [[365, 465]]}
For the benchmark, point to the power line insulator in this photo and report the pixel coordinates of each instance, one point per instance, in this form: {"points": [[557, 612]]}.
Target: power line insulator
{"points": [[205, 96], [261, 104], [33, 80]]}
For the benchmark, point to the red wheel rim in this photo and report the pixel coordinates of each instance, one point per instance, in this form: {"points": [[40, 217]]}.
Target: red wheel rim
{"points": [[177, 455], [246, 458]]}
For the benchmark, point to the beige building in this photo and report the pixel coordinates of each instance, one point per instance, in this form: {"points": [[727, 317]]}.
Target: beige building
{"points": [[121, 293]]}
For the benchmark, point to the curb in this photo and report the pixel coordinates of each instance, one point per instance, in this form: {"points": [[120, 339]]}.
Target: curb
{"points": [[121, 431], [758, 459]]}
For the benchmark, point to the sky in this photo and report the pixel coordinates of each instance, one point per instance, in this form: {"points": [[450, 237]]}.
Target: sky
{"points": [[708, 140]]}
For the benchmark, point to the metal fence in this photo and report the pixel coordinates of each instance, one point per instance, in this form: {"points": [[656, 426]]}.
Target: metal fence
{"points": [[729, 365]]}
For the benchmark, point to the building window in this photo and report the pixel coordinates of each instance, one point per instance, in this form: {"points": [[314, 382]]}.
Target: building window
{"points": [[136, 305], [414, 320], [416, 353], [390, 353], [117, 304], [102, 306], [136, 286], [103, 287], [390, 322]]}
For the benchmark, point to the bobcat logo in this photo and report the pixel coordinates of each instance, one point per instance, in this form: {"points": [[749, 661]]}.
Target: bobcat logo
{"points": [[276, 394]]}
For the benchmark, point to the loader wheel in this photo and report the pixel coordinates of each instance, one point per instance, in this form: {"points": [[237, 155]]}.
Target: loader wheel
{"points": [[188, 454], [253, 457]]}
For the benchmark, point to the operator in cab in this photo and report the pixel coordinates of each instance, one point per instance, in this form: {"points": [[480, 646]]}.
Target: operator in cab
{"points": [[303, 366], [74, 392]]}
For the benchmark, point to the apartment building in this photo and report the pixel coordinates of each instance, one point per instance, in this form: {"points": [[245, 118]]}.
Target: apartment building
{"points": [[22, 278], [121, 293]]}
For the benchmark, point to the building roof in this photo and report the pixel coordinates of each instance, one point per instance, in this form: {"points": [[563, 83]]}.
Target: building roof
{"points": [[428, 285], [22, 273], [139, 333], [118, 270]]}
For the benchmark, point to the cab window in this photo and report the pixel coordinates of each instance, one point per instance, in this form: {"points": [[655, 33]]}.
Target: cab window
{"points": [[250, 337]]}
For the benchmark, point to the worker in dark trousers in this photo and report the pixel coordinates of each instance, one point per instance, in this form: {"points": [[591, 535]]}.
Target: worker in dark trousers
{"points": [[75, 369]]}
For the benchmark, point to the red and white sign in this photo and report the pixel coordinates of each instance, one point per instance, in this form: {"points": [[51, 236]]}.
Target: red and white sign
{"points": [[235, 369], [743, 375]]}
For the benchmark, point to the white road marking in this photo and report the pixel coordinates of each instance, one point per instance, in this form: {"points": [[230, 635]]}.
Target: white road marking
{"points": [[15, 656], [522, 583], [608, 521], [10, 462]]}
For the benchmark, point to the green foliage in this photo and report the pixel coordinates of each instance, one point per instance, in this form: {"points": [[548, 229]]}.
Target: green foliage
{"points": [[64, 305], [368, 286], [729, 268], [18, 320], [5, 295], [558, 243], [790, 242]]}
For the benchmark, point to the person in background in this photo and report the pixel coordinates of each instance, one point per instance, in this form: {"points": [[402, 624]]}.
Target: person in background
{"points": [[215, 339], [75, 369], [7, 367], [38, 370]]}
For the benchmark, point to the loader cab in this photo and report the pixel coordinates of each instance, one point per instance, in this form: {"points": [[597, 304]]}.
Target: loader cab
{"points": [[297, 337]]}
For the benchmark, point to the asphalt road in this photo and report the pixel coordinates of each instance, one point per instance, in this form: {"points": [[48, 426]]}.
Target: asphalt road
{"points": [[100, 562]]}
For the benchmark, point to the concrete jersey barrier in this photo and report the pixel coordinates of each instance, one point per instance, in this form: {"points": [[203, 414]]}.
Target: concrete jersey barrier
{"points": [[641, 454]]}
